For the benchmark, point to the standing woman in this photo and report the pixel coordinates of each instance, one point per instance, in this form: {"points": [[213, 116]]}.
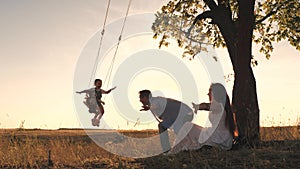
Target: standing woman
{"points": [[219, 134]]}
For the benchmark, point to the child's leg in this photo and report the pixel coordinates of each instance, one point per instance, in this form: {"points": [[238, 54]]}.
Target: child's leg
{"points": [[96, 115], [94, 120], [101, 111]]}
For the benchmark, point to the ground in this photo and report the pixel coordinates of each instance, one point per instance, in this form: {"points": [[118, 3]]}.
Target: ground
{"points": [[65, 148]]}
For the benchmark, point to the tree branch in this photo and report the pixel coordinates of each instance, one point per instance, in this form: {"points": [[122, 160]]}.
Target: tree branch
{"points": [[211, 4], [265, 17], [177, 5], [225, 7], [204, 15], [268, 15]]}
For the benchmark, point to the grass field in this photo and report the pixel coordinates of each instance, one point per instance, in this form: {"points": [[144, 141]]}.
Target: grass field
{"points": [[65, 148]]}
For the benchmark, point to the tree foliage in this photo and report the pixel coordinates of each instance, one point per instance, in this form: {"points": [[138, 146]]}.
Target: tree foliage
{"points": [[191, 23]]}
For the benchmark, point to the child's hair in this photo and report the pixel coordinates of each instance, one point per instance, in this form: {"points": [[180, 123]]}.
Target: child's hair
{"points": [[96, 80], [146, 93]]}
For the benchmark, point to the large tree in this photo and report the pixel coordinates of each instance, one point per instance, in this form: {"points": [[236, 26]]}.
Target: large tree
{"points": [[234, 24]]}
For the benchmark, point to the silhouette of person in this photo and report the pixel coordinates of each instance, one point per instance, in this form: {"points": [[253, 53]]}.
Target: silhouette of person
{"points": [[169, 113], [93, 100]]}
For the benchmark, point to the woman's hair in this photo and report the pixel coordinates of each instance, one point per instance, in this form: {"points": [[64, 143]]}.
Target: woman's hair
{"points": [[96, 80], [220, 95]]}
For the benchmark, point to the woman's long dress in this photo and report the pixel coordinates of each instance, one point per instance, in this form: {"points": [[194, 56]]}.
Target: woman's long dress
{"points": [[192, 136]]}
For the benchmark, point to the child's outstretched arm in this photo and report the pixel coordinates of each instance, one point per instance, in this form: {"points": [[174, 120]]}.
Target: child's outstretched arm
{"points": [[108, 91], [84, 91]]}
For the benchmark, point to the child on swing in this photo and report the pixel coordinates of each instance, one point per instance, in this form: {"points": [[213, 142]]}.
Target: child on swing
{"points": [[93, 101]]}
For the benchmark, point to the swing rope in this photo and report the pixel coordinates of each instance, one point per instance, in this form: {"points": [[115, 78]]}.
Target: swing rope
{"points": [[108, 76], [95, 67]]}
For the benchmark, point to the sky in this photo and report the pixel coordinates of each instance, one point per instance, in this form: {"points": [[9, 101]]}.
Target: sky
{"points": [[48, 49]]}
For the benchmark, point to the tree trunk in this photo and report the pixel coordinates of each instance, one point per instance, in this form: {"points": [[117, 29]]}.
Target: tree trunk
{"points": [[244, 101], [245, 106], [238, 39]]}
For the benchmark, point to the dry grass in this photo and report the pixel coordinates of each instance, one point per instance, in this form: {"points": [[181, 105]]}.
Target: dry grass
{"points": [[74, 149], [280, 133]]}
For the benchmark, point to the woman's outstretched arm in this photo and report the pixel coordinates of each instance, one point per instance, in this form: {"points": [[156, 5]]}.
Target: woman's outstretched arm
{"points": [[202, 106]]}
